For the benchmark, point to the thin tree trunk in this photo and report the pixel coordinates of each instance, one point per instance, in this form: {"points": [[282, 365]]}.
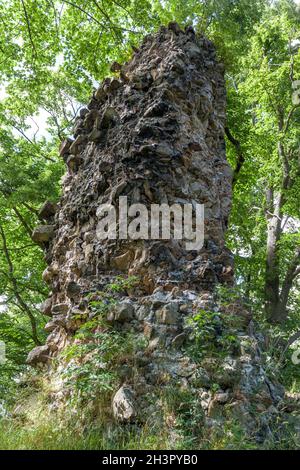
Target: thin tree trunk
{"points": [[20, 301], [276, 300], [272, 278], [291, 274]]}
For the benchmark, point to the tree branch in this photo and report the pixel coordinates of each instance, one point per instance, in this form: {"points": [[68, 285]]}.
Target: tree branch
{"points": [[95, 19], [23, 221], [21, 303], [28, 27], [240, 156], [289, 118]]}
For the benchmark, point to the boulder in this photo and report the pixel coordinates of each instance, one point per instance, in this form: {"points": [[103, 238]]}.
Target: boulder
{"points": [[58, 320], [60, 309], [124, 311], [40, 354], [43, 233], [73, 289], [64, 147], [123, 405], [75, 147], [168, 314], [156, 136]]}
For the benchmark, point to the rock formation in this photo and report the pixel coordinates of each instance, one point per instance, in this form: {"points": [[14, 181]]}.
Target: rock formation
{"points": [[155, 133]]}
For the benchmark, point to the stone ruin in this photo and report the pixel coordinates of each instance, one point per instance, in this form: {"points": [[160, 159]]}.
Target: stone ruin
{"points": [[155, 133]]}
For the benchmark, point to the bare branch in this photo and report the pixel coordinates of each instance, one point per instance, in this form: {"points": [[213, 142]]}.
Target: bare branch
{"points": [[95, 19], [28, 27], [240, 156], [23, 221], [21, 302]]}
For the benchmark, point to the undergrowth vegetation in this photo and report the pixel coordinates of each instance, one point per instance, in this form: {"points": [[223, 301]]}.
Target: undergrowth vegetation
{"points": [[35, 426], [83, 420]]}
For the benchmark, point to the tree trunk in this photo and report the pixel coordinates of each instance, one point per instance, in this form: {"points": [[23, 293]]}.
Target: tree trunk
{"points": [[14, 283], [292, 272], [272, 280]]}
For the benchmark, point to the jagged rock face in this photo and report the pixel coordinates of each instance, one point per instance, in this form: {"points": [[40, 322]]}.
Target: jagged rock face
{"points": [[155, 135]]}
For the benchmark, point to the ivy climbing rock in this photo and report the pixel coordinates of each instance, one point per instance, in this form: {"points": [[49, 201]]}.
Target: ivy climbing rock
{"points": [[155, 134]]}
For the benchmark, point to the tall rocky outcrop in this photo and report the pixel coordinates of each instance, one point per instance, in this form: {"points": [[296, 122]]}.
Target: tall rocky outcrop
{"points": [[155, 134]]}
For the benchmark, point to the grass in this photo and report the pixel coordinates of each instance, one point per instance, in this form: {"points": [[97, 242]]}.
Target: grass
{"points": [[51, 436], [48, 431], [32, 425]]}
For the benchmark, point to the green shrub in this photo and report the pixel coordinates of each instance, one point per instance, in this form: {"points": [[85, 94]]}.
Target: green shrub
{"points": [[210, 335]]}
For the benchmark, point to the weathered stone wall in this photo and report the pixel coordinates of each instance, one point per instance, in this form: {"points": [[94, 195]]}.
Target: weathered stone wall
{"points": [[155, 135]]}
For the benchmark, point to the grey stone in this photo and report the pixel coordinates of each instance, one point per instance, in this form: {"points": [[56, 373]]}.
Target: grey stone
{"points": [[168, 314], [43, 233], [143, 313], [75, 146], [123, 405], [57, 321], [222, 397], [64, 147], [109, 116], [100, 94], [228, 373], [83, 112], [74, 161], [50, 326], [159, 298], [78, 127], [73, 289], [95, 135], [40, 354], [124, 312], [46, 307], [61, 308]]}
